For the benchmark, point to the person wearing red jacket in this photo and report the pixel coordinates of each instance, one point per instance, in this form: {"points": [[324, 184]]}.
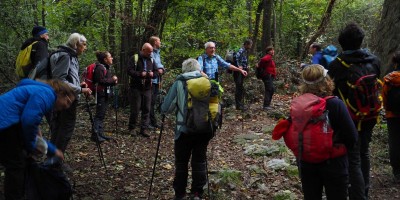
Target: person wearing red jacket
{"points": [[268, 76]]}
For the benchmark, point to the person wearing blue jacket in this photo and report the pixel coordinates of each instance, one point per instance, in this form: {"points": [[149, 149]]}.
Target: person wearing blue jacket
{"points": [[22, 110]]}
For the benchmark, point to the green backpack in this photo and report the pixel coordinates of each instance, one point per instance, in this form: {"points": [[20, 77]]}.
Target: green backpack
{"points": [[23, 64]]}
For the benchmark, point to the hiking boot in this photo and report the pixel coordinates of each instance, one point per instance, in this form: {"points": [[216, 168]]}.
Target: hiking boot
{"points": [[99, 138], [195, 196], [267, 108], [105, 137], [179, 197], [153, 126], [66, 168], [143, 133]]}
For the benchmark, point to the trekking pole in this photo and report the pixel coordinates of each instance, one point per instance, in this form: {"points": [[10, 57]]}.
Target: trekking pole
{"points": [[208, 180], [243, 92], [155, 159], [97, 136], [116, 108]]}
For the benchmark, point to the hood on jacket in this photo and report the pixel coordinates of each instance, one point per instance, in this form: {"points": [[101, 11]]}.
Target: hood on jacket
{"points": [[357, 56], [70, 51], [31, 40], [189, 75]]}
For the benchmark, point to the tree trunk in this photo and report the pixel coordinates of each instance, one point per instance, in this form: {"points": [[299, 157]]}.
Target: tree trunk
{"points": [[388, 34], [155, 19], [111, 28], [126, 51], [257, 25], [43, 14], [321, 28], [249, 5], [266, 33]]}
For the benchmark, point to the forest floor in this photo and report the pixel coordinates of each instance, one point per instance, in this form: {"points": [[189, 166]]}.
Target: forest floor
{"points": [[243, 161]]}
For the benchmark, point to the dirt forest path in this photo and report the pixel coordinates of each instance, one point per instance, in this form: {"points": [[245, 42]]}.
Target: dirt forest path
{"points": [[243, 161]]}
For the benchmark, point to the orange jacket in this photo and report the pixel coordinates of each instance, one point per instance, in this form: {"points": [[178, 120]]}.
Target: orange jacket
{"points": [[391, 79]]}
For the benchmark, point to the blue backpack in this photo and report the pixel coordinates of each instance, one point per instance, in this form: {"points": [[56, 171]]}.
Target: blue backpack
{"points": [[329, 54]]}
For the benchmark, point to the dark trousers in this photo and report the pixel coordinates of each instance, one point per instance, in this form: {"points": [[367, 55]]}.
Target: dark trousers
{"points": [[393, 125], [140, 101], [154, 95], [331, 175], [62, 126], [359, 183], [101, 109], [239, 92], [185, 147], [13, 158], [268, 89]]}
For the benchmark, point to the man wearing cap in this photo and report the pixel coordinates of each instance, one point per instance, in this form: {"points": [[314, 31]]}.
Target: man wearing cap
{"points": [[40, 52]]}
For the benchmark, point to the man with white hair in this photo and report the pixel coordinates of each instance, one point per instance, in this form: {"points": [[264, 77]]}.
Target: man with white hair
{"points": [[209, 62], [187, 144]]}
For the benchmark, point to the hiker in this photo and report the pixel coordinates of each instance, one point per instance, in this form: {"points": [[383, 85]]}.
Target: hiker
{"points": [[316, 51], [156, 44], [242, 62], [269, 74], [209, 62], [141, 71], [22, 111], [391, 94], [187, 144], [320, 165], [104, 79], [64, 65], [39, 53], [350, 39]]}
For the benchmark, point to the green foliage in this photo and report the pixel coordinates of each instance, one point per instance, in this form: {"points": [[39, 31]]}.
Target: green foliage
{"points": [[284, 195], [229, 176]]}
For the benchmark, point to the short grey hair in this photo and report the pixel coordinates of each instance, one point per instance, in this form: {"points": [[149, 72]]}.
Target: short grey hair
{"points": [[190, 65], [75, 39], [207, 44]]}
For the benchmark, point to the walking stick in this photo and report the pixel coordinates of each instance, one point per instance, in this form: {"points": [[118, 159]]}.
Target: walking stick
{"points": [[116, 108], [155, 159], [94, 131]]}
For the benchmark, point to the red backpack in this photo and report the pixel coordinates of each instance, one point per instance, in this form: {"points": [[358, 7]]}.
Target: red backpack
{"points": [[87, 76], [308, 132]]}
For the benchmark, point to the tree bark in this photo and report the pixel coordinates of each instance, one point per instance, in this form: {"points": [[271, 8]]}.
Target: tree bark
{"points": [[321, 28], [257, 24], [388, 32], [155, 19], [126, 51], [266, 33]]}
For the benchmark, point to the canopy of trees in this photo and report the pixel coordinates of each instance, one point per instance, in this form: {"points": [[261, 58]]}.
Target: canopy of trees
{"points": [[122, 26]]}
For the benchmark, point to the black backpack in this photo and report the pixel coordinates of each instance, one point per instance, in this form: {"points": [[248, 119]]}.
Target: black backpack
{"points": [[363, 91], [259, 72], [47, 181]]}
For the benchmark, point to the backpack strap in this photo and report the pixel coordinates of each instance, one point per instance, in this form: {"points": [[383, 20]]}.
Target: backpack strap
{"points": [[184, 112], [343, 63]]}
